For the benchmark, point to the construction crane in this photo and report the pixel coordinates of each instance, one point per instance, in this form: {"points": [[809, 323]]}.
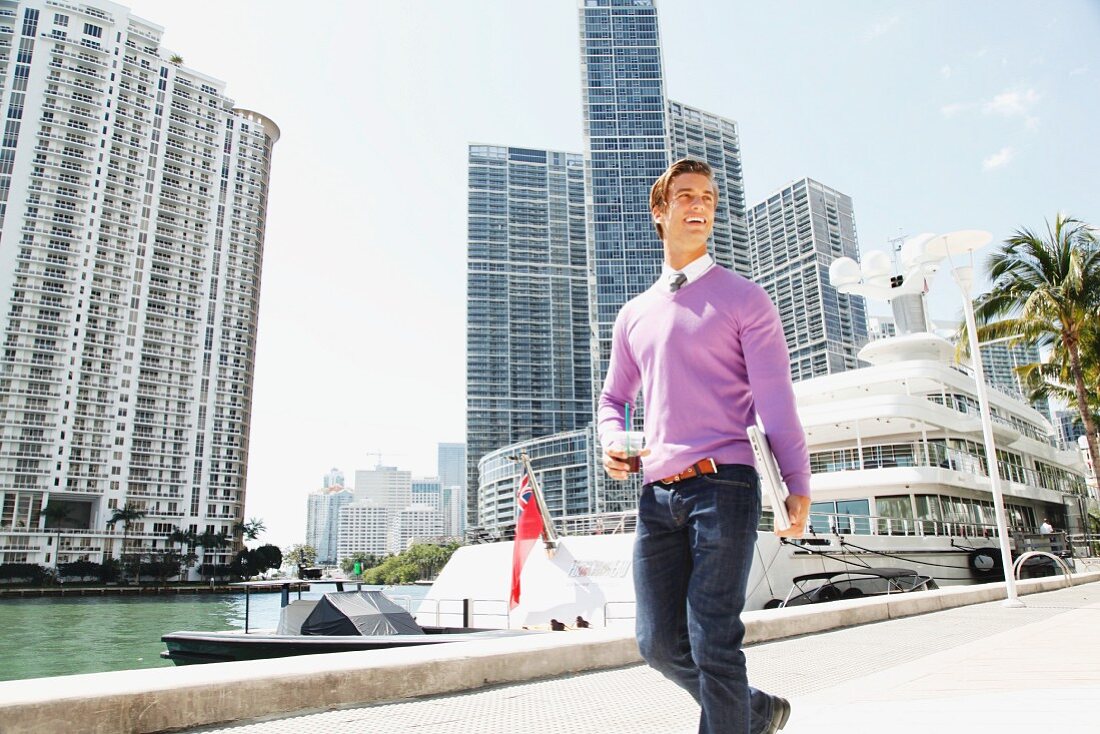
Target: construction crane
{"points": [[379, 455]]}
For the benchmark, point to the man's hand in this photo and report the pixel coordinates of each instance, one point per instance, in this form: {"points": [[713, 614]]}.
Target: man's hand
{"points": [[614, 462], [798, 508]]}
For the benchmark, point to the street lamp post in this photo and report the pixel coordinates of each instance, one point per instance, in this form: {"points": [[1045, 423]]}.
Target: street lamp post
{"points": [[965, 243]]}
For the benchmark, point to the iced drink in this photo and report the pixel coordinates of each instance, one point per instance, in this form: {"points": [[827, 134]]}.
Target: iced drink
{"points": [[628, 442]]}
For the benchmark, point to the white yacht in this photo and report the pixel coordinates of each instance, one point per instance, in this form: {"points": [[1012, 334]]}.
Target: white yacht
{"points": [[899, 480], [900, 476]]}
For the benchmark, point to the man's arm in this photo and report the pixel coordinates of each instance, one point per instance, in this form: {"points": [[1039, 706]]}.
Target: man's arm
{"points": [[619, 388], [769, 371]]}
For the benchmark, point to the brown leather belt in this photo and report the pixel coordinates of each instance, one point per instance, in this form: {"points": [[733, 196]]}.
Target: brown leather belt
{"points": [[699, 468]]}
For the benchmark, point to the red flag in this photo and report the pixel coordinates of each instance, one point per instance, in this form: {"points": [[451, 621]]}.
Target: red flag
{"points": [[528, 529]]}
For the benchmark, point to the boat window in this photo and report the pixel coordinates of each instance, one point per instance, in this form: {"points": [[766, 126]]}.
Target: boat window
{"points": [[928, 507], [853, 516], [822, 523], [895, 514]]}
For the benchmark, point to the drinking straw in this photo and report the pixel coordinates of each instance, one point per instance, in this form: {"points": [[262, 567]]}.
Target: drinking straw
{"points": [[627, 438]]}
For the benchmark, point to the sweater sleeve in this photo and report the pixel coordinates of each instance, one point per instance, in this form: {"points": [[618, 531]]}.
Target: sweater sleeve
{"points": [[621, 383], [769, 371]]}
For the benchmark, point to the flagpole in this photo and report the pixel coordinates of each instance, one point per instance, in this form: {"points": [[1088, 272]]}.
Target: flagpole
{"points": [[549, 534]]}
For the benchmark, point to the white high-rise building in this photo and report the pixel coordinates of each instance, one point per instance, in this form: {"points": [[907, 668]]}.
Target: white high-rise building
{"points": [[428, 491], [133, 198], [323, 521], [364, 528], [454, 511], [415, 523], [384, 486], [794, 235]]}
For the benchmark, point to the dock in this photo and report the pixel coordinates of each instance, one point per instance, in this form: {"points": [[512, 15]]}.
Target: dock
{"points": [[951, 660]]}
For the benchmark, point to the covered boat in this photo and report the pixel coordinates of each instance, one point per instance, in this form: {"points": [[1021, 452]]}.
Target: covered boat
{"points": [[337, 622]]}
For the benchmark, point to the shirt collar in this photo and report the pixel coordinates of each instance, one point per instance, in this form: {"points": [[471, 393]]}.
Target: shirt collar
{"points": [[693, 270]]}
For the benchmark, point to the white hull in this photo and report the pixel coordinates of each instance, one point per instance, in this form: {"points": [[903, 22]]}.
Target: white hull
{"points": [[591, 575]]}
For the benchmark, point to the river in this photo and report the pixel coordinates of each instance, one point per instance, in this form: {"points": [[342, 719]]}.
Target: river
{"points": [[49, 636]]}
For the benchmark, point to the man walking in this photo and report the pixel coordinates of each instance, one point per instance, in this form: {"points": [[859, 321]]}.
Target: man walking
{"points": [[706, 348]]}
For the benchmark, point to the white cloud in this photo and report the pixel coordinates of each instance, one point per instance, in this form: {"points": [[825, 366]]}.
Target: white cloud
{"points": [[1011, 103], [882, 28], [945, 71], [950, 110], [1079, 71], [1000, 159]]}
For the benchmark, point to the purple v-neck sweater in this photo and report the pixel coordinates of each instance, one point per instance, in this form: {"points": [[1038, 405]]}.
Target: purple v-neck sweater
{"points": [[708, 358]]}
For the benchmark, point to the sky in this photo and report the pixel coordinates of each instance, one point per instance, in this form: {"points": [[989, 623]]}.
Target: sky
{"points": [[934, 116]]}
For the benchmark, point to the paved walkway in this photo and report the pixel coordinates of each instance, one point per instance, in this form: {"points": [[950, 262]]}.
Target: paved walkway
{"points": [[981, 668]]}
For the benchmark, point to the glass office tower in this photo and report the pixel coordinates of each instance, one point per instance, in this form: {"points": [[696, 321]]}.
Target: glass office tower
{"points": [[795, 234], [527, 362]]}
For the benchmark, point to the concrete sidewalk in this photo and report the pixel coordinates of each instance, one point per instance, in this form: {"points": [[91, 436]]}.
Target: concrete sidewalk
{"points": [[976, 668]]}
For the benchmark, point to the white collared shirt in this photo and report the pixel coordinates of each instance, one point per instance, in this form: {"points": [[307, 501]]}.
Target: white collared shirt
{"points": [[692, 271]]}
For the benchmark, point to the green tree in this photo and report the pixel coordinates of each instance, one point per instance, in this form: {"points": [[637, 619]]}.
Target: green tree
{"points": [[55, 515], [186, 540], [421, 561], [250, 530], [365, 561], [128, 516], [1053, 379], [251, 562], [1045, 291], [300, 555], [211, 543]]}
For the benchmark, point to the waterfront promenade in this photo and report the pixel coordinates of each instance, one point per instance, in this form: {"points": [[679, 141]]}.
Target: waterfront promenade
{"points": [[978, 668], [944, 661]]}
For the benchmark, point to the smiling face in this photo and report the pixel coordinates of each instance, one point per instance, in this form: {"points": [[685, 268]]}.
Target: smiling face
{"points": [[686, 218]]}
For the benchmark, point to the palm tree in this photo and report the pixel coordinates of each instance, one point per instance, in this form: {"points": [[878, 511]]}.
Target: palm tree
{"points": [[212, 542], [251, 529], [1052, 379], [1045, 292], [127, 515], [184, 538], [55, 514]]}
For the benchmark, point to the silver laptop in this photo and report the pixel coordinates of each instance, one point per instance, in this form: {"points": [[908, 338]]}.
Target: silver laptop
{"points": [[771, 481]]}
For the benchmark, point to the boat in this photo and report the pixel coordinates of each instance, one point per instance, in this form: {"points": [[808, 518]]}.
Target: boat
{"points": [[340, 621], [828, 586], [899, 478]]}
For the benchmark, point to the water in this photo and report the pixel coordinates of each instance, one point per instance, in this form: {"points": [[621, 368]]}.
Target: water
{"points": [[66, 635]]}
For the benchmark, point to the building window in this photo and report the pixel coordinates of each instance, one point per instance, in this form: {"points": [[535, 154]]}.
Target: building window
{"points": [[92, 30]]}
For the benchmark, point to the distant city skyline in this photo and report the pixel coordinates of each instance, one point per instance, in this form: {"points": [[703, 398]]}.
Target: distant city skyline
{"points": [[932, 116]]}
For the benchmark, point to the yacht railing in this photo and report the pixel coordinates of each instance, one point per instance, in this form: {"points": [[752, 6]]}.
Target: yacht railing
{"points": [[473, 613], [919, 454]]}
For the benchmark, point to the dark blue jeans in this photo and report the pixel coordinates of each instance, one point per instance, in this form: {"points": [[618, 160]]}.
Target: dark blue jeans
{"points": [[692, 556]]}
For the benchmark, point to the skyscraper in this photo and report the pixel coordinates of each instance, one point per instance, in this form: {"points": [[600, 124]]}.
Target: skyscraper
{"points": [[133, 197], [626, 149], [794, 235], [527, 360], [631, 133], [335, 478], [451, 464], [323, 521], [701, 135]]}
